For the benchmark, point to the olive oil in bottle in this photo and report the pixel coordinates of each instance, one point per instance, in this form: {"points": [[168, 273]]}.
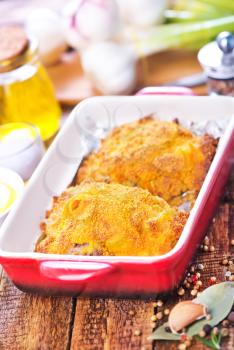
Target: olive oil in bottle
{"points": [[26, 92]]}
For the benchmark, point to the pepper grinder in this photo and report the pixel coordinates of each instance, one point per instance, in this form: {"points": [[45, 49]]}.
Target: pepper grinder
{"points": [[217, 60]]}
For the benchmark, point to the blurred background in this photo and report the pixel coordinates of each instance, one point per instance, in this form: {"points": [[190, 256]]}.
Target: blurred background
{"points": [[94, 47], [53, 54]]}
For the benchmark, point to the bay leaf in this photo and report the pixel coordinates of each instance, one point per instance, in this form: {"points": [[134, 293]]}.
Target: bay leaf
{"points": [[161, 334], [219, 300]]}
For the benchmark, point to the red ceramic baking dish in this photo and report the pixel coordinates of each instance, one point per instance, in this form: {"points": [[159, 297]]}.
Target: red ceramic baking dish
{"points": [[115, 275]]}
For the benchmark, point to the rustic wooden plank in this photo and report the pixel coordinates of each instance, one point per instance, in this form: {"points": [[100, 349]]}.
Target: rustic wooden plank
{"points": [[112, 324], [220, 234], [33, 322], [229, 193]]}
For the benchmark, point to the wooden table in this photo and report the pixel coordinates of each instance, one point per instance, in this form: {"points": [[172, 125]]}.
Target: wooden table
{"points": [[29, 322]]}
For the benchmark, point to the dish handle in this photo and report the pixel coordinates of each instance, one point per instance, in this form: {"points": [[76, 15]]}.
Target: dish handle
{"points": [[166, 90], [79, 271]]}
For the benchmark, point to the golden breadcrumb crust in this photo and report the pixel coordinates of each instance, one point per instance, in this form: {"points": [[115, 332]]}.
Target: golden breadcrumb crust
{"points": [[110, 219], [162, 157]]}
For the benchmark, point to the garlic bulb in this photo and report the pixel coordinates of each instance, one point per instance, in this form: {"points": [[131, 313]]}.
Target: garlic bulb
{"points": [[45, 25], [142, 13], [112, 67], [87, 21]]}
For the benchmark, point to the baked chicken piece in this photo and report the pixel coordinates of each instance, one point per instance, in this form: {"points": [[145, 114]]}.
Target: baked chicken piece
{"points": [[162, 157], [110, 219]]}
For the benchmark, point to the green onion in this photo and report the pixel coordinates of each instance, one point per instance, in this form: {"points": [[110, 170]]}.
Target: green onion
{"points": [[172, 16], [200, 7], [177, 35], [224, 4]]}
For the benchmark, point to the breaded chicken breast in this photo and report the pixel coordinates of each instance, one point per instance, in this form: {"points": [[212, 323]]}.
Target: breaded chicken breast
{"points": [[110, 219], [162, 157]]}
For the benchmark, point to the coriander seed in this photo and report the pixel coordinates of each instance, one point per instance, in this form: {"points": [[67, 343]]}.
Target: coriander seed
{"points": [[215, 331], [181, 291], [193, 292], [159, 315], [200, 266], [160, 303], [202, 334], [137, 332], [224, 332], [225, 262]]}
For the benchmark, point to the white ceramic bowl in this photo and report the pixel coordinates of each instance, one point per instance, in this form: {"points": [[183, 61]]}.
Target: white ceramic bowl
{"points": [[15, 182]]}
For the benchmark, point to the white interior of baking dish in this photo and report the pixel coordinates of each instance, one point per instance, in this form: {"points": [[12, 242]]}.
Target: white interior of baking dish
{"points": [[89, 121]]}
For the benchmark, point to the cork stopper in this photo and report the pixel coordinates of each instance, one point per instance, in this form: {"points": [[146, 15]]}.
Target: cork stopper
{"points": [[13, 42]]}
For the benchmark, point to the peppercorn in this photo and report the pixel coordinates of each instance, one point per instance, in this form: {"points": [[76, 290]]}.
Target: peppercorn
{"points": [[225, 262], [194, 278], [225, 323], [231, 317], [183, 337], [188, 343], [212, 280], [207, 329], [192, 269], [168, 329]]}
